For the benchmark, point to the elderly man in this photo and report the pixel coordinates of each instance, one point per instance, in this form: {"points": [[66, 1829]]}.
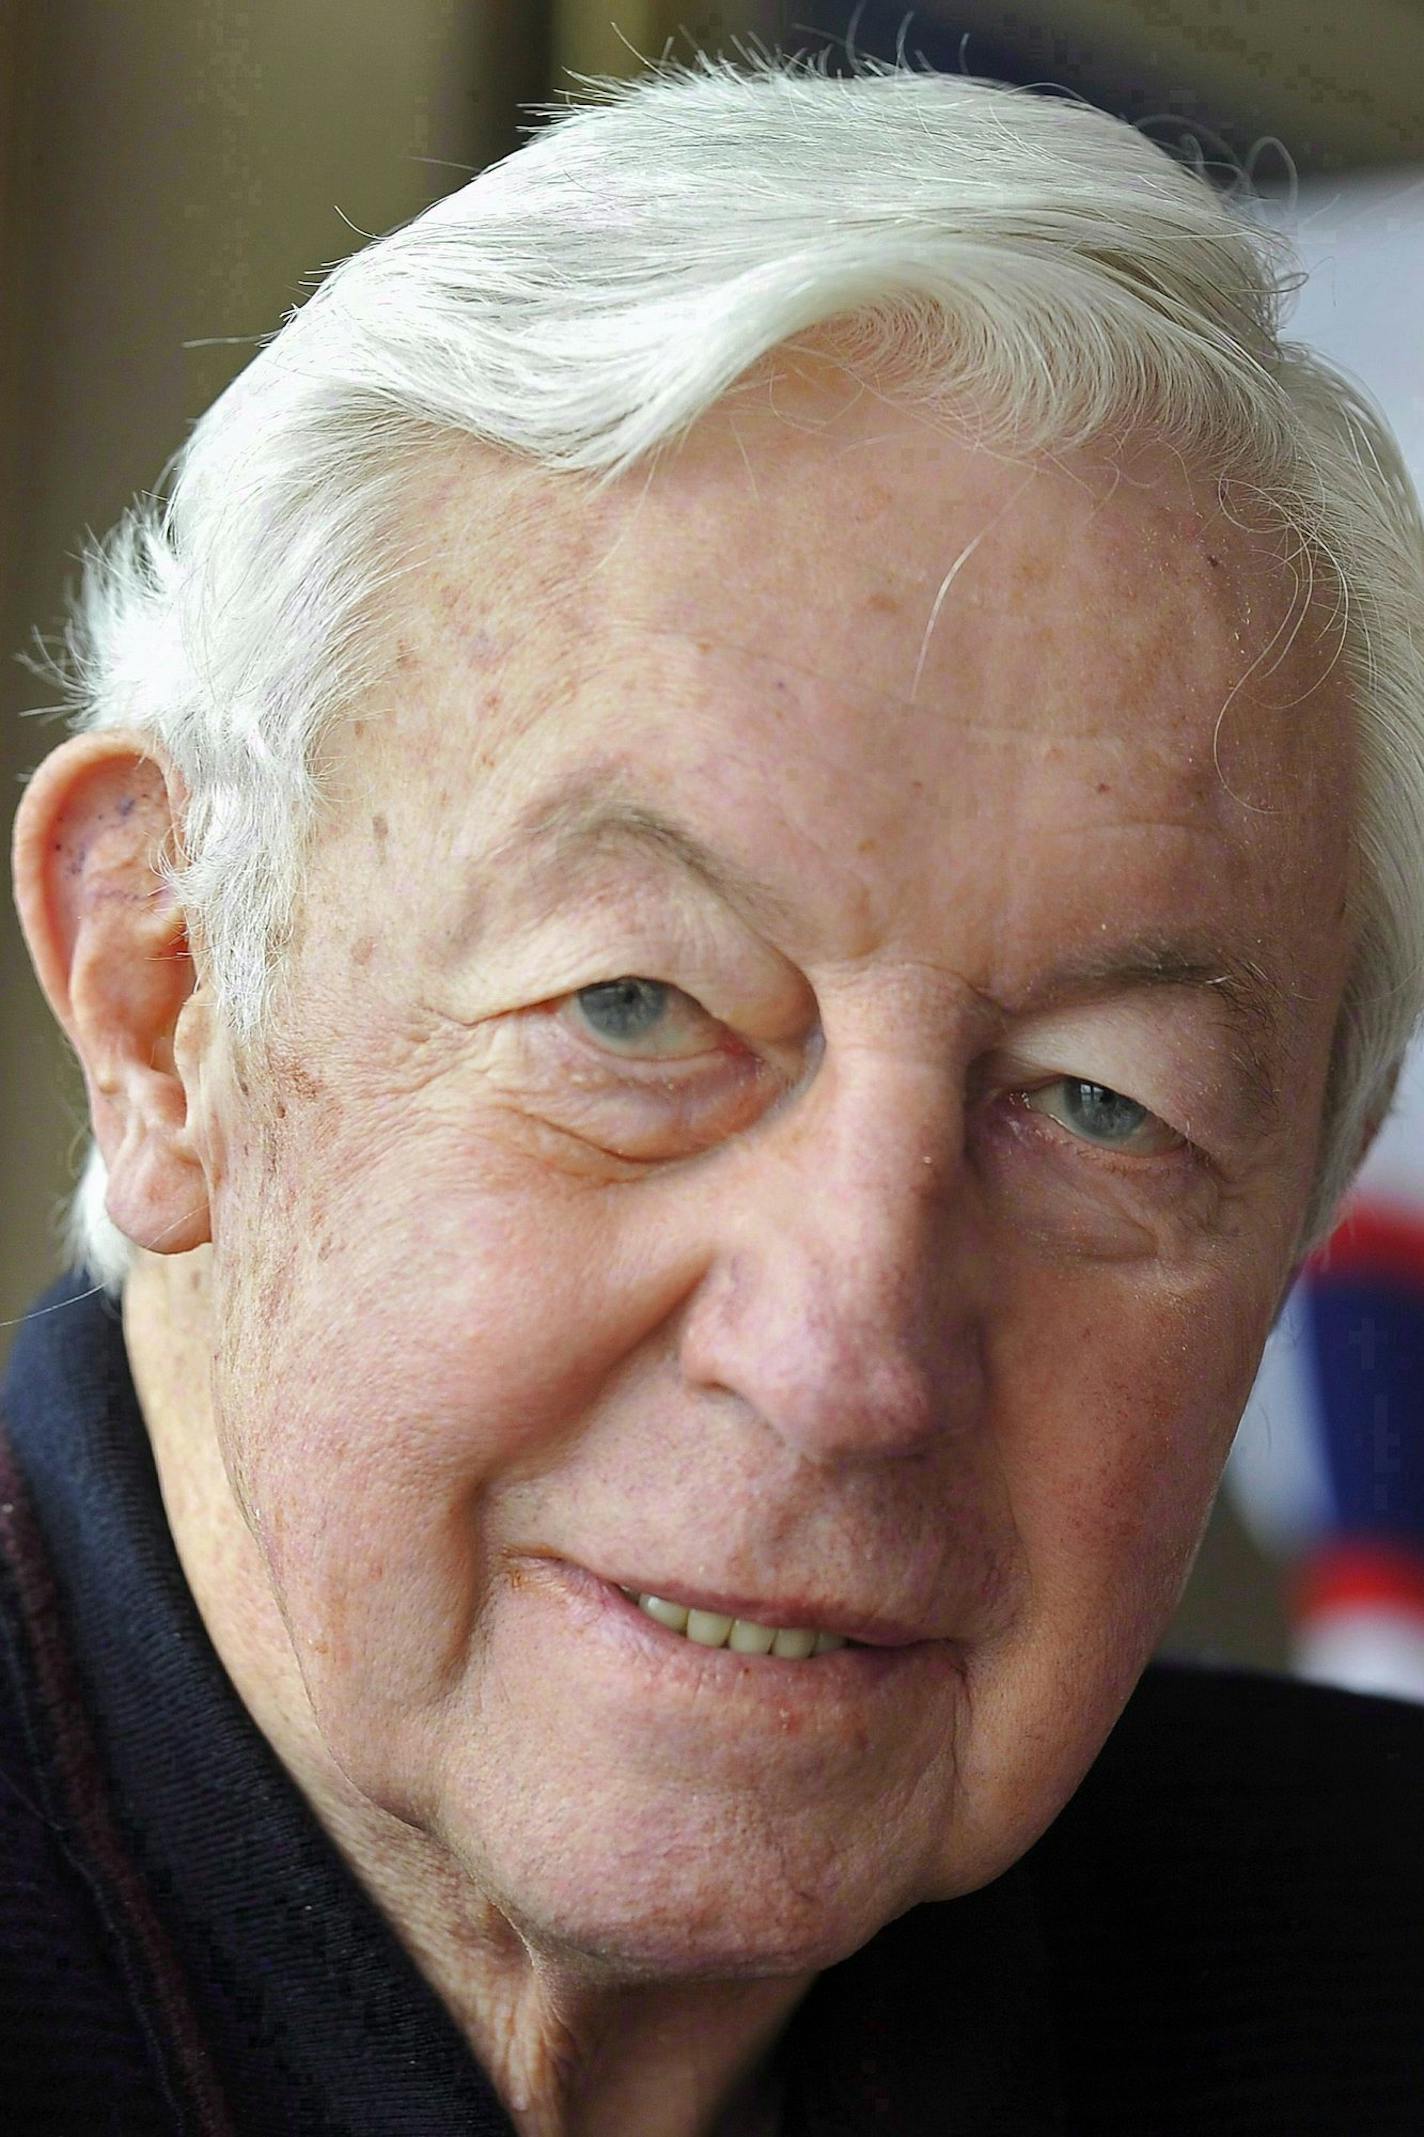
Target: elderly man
{"points": [[742, 869]]}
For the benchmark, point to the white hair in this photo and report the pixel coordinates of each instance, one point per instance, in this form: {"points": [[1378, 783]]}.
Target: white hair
{"points": [[580, 304]]}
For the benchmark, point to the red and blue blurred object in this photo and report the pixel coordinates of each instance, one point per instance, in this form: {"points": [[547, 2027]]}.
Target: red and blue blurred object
{"points": [[1328, 1470]]}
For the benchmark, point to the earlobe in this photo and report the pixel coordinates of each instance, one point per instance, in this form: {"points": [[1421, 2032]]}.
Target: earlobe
{"points": [[111, 951]]}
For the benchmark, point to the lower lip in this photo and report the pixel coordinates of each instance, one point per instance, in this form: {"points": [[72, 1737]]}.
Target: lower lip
{"points": [[840, 1675]]}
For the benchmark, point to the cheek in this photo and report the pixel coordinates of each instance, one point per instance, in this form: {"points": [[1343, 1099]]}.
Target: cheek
{"points": [[380, 1271], [431, 1335], [1125, 1416], [1114, 1416]]}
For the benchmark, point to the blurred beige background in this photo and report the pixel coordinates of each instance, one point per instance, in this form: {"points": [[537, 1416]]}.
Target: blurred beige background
{"points": [[172, 173]]}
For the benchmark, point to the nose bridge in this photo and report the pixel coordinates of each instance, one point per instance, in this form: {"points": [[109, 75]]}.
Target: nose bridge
{"points": [[837, 1303], [876, 1158]]}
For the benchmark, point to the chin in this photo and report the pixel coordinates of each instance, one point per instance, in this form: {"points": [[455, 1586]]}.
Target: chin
{"points": [[674, 1907]]}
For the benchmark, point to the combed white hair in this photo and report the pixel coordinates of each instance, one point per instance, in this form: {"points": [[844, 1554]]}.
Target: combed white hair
{"points": [[583, 302]]}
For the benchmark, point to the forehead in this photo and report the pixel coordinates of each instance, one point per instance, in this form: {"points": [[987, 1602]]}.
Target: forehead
{"points": [[818, 582], [849, 540]]}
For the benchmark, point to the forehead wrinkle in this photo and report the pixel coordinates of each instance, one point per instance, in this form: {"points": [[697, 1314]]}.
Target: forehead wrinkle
{"points": [[995, 724]]}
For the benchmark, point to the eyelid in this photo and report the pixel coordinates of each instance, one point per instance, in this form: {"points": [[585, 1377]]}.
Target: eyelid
{"points": [[1119, 1047], [1154, 1048], [752, 1010]]}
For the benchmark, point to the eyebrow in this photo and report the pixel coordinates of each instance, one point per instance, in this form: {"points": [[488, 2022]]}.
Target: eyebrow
{"points": [[586, 813]]}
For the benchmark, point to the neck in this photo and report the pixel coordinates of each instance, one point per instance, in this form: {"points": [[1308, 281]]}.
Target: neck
{"points": [[572, 2051]]}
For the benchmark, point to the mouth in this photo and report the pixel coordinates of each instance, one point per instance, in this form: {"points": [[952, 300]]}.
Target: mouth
{"points": [[738, 1631], [790, 1626], [837, 1681]]}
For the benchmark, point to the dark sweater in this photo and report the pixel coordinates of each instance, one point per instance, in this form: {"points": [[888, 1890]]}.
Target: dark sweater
{"points": [[1221, 1933]]}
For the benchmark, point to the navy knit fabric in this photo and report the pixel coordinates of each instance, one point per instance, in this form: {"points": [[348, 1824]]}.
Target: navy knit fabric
{"points": [[1221, 1933], [1235, 1900]]}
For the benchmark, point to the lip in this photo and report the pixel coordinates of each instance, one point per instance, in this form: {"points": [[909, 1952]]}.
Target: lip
{"points": [[799, 1612], [837, 1682]]}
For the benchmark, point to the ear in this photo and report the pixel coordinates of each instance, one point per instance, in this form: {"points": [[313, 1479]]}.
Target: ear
{"points": [[110, 947]]}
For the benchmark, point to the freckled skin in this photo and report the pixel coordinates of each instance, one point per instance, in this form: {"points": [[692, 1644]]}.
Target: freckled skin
{"points": [[883, 1334]]}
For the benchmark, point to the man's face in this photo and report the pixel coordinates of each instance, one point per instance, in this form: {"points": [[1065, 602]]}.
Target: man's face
{"points": [[902, 1250]]}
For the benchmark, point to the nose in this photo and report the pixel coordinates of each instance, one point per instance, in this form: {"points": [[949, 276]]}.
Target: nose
{"points": [[844, 1298]]}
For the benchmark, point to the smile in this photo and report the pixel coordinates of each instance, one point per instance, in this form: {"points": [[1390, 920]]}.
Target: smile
{"points": [[710, 1628], [679, 1646]]}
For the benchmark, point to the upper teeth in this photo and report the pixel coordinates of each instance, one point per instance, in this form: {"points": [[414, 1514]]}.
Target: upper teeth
{"points": [[743, 1635]]}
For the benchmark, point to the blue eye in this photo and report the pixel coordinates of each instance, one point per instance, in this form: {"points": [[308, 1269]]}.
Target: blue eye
{"points": [[1103, 1114], [623, 1010], [645, 1019], [1099, 1115]]}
